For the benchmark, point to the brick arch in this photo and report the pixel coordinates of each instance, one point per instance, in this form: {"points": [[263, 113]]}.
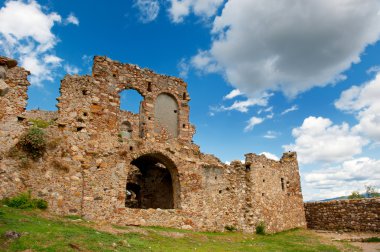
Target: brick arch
{"points": [[153, 182]]}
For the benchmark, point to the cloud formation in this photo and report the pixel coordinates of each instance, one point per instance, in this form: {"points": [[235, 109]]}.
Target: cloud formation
{"points": [[270, 134], [234, 93], [289, 46], [26, 34], [72, 19], [319, 140], [252, 122], [244, 105], [343, 179], [270, 155], [364, 102], [291, 109], [179, 9], [148, 10]]}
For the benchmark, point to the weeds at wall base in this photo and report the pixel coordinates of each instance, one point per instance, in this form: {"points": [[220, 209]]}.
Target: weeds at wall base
{"points": [[25, 201]]}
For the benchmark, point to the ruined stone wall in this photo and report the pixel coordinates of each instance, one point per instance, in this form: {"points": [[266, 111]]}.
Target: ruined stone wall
{"points": [[344, 215], [95, 149]]}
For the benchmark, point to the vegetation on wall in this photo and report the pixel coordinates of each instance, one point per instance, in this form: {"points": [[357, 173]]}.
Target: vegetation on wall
{"points": [[40, 123], [24, 201], [260, 228], [33, 142]]}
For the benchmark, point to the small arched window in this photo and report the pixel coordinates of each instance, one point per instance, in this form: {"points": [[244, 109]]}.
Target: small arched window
{"points": [[130, 100], [126, 130]]}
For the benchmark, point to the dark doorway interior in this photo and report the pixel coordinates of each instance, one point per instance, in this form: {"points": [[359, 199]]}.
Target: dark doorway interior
{"points": [[149, 184]]}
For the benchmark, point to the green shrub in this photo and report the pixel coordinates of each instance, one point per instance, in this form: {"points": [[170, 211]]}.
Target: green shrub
{"points": [[40, 123], [372, 239], [355, 195], [33, 142], [260, 228], [40, 203], [24, 201], [230, 228]]}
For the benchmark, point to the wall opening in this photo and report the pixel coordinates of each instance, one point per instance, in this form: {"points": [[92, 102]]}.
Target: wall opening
{"points": [[126, 130], [130, 100], [166, 114], [152, 183], [282, 184]]}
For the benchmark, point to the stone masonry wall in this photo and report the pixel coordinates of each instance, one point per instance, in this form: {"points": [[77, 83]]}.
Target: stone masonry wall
{"points": [[345, 215], [94, 148]]}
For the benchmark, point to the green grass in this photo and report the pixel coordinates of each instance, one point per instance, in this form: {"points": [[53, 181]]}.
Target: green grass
{"points": [[43, 232], [372, 239]]}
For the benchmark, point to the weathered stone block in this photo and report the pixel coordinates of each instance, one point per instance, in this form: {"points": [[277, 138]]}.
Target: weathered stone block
{"points": [[4, 88]]}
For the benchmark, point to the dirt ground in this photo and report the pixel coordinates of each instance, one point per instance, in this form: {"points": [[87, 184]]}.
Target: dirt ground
{"points": [[354, 239]]}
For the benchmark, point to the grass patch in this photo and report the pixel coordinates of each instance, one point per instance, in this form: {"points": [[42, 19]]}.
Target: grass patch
{"points": [[62, 234], [24, 201], [372, 239], [73, 217]]}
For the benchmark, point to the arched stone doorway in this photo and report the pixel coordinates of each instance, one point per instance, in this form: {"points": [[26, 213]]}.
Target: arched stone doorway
{"points": [[152, 182]]}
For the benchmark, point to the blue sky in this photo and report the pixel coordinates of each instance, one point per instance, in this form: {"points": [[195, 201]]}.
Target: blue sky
{"points": [[263, 76]]}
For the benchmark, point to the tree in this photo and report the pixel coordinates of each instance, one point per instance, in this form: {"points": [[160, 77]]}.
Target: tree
{"points": [[371, 192], [355, 195]]}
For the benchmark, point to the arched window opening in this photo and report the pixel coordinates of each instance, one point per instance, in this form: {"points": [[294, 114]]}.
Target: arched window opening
{"points": [[150, 184], [130, 100], [126, 130]]}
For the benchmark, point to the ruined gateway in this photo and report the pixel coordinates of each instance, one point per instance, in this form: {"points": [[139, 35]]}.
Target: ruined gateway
{"points": [[111, 165]]}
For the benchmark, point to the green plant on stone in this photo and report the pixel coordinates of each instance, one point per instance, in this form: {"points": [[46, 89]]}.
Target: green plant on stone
{"points": [[24, 201], [33, 142], [260, 228], [40, 123], [230, 228]]}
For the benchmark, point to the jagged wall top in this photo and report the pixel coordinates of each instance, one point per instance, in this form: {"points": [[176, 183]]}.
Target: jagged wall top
{"points": [[93, 102]]}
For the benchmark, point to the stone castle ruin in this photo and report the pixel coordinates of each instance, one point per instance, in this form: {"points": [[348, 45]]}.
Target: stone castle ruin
{"points": [[106, 164]]}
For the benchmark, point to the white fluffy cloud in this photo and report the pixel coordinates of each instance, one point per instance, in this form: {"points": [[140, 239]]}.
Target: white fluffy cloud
{"points": [[270, 155], [290, 46], [179, 9], [364, 102], [70, 69], [252, 122], [234, 93], [244, 105], [319, 140], [26, 34], [72, 19], [20, 20], [343, 179], [148, 10]]}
